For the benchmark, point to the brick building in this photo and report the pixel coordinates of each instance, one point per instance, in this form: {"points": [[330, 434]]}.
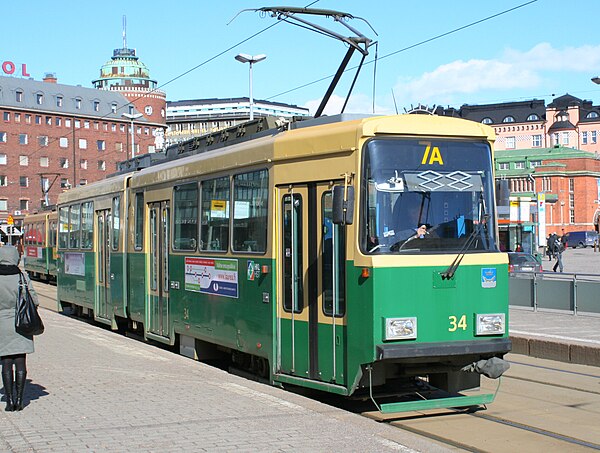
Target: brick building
{"points": [[54, 136]]}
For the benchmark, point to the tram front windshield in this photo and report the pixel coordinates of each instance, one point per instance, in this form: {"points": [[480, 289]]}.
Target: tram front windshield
{"points": [[443, 186]]}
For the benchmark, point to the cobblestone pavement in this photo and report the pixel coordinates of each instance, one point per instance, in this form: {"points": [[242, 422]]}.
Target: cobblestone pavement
{"points": [[92, 390]]}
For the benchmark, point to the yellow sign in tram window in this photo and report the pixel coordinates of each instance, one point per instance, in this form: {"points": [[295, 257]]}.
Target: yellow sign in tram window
{"points": [[218, 208], [432, 155]]}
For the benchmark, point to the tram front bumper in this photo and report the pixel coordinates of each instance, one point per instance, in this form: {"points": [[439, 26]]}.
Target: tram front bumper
{"points": [[487, 347]]}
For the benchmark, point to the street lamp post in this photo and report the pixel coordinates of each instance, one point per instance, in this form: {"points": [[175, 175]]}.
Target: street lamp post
{"points": [[251, 59], [132, 117]]}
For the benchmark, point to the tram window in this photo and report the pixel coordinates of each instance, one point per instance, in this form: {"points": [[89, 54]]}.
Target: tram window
{"points": [[139, 221], [185, 219], [116, 224], [41, 237], [250, 206], [334, 260], [293, 290], [52, 234], [214, 230], [87, 225], [63, 232], [74, 235]]}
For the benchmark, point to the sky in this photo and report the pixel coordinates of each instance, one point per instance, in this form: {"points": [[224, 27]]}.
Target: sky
{"points": [[432, 53]]}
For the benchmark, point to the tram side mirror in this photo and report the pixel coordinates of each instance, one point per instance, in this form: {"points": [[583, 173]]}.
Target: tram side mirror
{"points": [[343, 210]]}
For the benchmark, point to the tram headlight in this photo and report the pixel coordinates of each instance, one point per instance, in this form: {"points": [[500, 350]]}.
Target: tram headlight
{"points": [[491, 324], [400, 328]]}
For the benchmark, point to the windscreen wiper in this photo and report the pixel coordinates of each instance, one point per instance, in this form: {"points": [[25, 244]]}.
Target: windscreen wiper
{"points": [[480, 229], [449, 273]]}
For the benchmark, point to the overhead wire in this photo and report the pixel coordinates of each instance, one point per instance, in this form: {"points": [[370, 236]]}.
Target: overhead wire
{"points": [[228, 49]]}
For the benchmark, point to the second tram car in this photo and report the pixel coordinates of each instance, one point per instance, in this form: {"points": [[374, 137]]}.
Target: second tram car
{"points": [[342, 255], [39, 245]]}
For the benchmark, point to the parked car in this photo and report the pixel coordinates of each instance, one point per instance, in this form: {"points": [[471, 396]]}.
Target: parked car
{"points": [[523, 262], [581, 238]]}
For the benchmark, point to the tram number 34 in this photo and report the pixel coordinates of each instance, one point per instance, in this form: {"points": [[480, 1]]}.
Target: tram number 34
{"points": [[457, 323]]}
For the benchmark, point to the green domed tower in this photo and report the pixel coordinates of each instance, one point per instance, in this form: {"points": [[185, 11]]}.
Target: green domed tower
{"points": [[125, 73]]}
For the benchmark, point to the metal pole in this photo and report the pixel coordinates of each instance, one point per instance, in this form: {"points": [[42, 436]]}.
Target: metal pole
{"points": [[132, 141], [251, 99]]}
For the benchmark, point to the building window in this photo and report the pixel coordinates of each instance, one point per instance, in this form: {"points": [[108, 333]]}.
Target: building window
{"points": [[78, 103], [101, 165], [535, 163], [67, 122], [503, 166], [82, 143], [83, 164], [49, 120], [3, 137], [23, 161], [520, 165], [593, 137], [19, 96], [23, 181], [28, 118], [119, 146], [565, 138], [510, 142], [59, 101], [101, 144], [44, 161], [3, 159], [113, 108], [536, 141], [533, 117], [43, 140], [122, 128], [113, 127], [546, 184], [63, 142], [3, 181], [6, 116], [38, 119], [77, 124], [508, 119], [3, 205], [584, 138], [571, 185], [592, 115], [24, 205], [64, 183], [561, 116], [23, 139], [555, 140], [17, 117], [39, 98], [96, 106], [86, 124], [64, 162]]}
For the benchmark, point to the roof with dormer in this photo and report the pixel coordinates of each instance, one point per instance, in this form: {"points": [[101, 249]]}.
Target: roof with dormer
{"points": [[76, 100]]}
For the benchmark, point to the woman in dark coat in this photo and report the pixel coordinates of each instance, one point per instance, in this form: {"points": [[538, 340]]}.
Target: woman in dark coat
{"points": [[13, 346]]}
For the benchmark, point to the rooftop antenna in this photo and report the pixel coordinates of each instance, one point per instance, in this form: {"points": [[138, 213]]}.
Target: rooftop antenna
{"points": [[358, 43], [124, 31]]}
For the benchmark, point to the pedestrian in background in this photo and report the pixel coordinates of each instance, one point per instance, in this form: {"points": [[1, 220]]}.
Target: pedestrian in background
{"points": [[558, 249], [13, 346]]}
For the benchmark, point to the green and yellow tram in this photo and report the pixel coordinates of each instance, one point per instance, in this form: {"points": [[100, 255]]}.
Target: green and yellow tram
{"points": [[346, 255], [39, 245]]}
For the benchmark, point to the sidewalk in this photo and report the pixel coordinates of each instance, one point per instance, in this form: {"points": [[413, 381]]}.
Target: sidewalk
{"points": [[92, 390], [555, 336]]}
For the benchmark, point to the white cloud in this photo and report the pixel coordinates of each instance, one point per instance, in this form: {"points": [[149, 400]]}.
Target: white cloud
{"points": [[449, 83]]}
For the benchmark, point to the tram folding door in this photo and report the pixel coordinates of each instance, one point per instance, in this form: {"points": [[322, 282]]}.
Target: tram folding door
{"points": [[157, 310], [103, 302], [311, 320]]}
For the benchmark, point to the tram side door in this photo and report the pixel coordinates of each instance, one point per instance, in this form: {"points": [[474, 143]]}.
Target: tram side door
{"points": [[157, 310], [310, 315], [103, 299]]}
